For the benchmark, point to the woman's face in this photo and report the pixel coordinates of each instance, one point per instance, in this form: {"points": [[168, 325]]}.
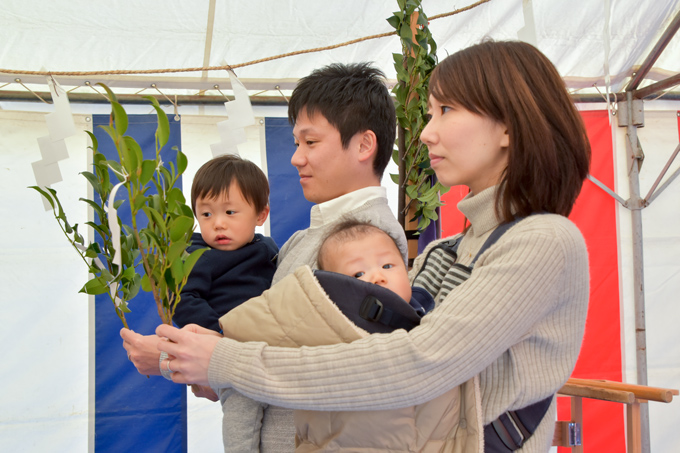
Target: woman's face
{"points": [[465, 148]]}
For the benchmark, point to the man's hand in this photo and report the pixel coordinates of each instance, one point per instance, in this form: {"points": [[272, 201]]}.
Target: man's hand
{"points": [[202, 391], [189, 349], [142, 351]]}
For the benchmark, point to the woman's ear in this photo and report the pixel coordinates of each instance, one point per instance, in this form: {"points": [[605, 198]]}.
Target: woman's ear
{"points": [[505, 139], [262, 216]]}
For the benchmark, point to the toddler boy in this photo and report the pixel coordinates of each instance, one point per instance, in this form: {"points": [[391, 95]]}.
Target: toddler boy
{"points": [[229, 197]]}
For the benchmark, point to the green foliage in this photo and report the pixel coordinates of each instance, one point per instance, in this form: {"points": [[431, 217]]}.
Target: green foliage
{"points": [[160, 246], [413, 67]]}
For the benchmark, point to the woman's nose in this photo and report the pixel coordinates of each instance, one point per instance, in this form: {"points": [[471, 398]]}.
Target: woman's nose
{"points": [[427, 136]]}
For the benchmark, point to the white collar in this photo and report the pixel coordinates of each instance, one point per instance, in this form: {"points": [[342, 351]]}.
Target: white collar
{"points": [[331, 210]]}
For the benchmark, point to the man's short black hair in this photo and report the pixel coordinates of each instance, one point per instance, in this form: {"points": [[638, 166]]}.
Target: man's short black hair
{"points": [[353, 98]]}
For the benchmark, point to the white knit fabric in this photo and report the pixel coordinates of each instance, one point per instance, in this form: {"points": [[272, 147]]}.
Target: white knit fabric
{"points": [[518, 321]]}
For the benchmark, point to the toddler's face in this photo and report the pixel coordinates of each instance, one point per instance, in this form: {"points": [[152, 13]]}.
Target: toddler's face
{"points": [[373, 258], [228, 221]]}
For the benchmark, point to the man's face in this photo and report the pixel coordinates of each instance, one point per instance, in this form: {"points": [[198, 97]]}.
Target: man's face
{"points": [[325, 168]]}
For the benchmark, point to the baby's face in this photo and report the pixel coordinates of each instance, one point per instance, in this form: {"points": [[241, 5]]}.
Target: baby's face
{"points": [[373, 258]]}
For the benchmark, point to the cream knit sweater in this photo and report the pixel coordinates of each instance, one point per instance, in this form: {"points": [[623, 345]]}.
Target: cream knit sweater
{"points": [[518, 322]]}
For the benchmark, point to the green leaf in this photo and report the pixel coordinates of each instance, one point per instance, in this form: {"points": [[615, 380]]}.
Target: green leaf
{"points": [[112, 96], [133, 156], [175, 251], [395, 178], [148, 168], [163, 131], [120, 119], [93, 180], [94, 287], [146, 284], [177, 272], [97, 209], [180, 227], [45, 194], [156, 220], [393, 21], [191, 260], [95, 144], [182, 162]]}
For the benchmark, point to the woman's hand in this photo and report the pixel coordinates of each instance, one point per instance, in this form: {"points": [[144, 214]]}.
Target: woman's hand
{"points": [[189, 349], [142, 351]]}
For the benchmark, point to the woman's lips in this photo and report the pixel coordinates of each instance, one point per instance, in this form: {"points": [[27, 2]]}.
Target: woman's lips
{"points": [[434, 159]]}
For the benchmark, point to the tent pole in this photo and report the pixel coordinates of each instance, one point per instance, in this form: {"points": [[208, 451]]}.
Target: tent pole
{"points": [[667, 36], [635, 205]]}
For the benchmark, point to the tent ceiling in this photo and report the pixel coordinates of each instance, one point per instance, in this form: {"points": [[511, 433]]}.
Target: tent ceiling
{"points": [[107, 36]]}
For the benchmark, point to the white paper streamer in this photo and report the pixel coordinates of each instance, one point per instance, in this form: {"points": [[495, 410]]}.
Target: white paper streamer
{"points": [[240, 115], [115, 238]]}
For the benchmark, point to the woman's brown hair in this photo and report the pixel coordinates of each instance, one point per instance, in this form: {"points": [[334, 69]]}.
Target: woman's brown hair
{"points": [[515, 84]]}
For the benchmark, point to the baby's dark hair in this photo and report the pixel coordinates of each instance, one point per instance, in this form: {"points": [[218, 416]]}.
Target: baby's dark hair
{"points": [[348, 229], [215, 177]]}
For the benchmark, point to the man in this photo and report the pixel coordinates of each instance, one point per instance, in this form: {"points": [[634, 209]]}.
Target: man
{"points": [[344, 128]]}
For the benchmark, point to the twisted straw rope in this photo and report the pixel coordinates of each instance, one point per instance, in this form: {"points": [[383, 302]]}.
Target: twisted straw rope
{"points": [[227, 67]]}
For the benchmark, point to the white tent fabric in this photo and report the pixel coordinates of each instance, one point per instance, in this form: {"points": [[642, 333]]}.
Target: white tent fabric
{"points": [[44, 403], [99, 35]]}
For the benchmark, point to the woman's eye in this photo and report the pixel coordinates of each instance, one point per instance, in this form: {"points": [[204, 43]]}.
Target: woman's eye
{"points": [[359, 274]]}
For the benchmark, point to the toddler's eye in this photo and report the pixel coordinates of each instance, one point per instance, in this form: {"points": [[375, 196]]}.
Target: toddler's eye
{"points": [[428, 117], [359, 274], [206, 214], [231, 212]]}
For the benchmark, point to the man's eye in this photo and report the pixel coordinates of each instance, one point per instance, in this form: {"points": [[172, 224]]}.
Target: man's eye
{"points": [[359, 274]]}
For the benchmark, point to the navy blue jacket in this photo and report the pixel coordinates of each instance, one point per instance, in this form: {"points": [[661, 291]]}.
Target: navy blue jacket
{"points": [[222, 280]]}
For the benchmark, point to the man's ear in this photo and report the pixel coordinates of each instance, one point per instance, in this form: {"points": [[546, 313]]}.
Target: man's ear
{"points": [[262, 216], [368, 145]]}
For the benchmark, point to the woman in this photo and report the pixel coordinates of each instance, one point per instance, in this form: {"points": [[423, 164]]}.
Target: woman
{"points": [[502, 124]]}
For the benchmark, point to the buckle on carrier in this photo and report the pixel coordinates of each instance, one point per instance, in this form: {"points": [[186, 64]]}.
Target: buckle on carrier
{"points": [[371, 309]]}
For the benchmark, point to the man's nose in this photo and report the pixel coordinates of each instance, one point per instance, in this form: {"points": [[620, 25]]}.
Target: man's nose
{"points": [[298, 159]]}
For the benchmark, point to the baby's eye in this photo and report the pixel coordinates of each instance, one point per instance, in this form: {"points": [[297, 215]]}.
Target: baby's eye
{"points": [[359, 274], [297, 143], [388, 266], [310, 142]]}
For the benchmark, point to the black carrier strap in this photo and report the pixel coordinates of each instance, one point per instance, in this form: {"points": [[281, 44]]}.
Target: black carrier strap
{"points": [[511, 430]]}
